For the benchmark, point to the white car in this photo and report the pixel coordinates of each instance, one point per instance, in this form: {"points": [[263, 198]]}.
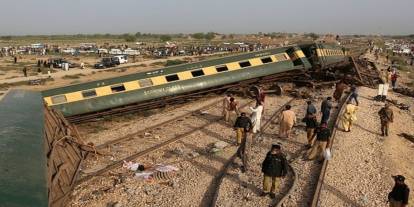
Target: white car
{"points": [[121, 59]]}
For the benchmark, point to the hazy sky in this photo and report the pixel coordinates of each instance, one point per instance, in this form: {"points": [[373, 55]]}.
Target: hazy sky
{"points": [[19, 17]]}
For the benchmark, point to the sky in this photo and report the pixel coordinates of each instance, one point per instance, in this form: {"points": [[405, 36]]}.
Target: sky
{"points": [[34, 17]]}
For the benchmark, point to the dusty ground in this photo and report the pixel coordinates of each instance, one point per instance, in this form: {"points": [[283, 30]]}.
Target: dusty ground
{"points": [[363, 161], [197, 165]]}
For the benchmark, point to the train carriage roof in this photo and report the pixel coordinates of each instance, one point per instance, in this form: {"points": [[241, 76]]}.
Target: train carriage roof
{"points": [[22, 157]]}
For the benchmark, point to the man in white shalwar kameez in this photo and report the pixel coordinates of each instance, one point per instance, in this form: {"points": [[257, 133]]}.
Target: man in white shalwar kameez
{"points": [[256, 116]]}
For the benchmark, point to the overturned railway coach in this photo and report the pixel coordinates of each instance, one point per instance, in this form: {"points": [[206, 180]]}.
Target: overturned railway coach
{"points": [[182, 79]]}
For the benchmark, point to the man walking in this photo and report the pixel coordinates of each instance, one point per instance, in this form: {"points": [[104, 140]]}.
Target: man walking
{"points": [[386, 116], [242, 126], [384, 85], [287, 121], [256, 116], [398, 197], [233, 110], [394, 77], [326, 107], [349, 116], [354, 94], [25, 71], [274, 167], [226, 106], [323, 133], [311, 122], [339, 90]]}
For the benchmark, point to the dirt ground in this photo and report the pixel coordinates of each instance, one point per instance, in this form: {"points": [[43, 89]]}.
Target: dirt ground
{"points": [[363, 162]]}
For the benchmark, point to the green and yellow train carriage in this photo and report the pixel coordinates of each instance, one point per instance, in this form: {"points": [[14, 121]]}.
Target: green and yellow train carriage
{"points": [[171, 81]]}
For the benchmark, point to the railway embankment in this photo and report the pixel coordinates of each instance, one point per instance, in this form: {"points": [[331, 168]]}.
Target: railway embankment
{"points": [[363, 162]]}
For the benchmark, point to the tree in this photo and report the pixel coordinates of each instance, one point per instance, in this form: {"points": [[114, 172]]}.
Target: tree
{"points": [[198, 35], [313, 36], [129, 38], [209, 36], [138, 34], [165, 38]]}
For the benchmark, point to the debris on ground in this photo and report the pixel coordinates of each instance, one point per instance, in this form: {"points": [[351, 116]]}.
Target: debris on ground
{"points": [[401, 106], [133, 166], [218, 146], [221, 145], [158, 172]]}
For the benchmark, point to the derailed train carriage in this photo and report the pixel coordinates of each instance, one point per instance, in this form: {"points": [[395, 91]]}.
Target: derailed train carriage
{"points": [[41, 151], [158, 85]]}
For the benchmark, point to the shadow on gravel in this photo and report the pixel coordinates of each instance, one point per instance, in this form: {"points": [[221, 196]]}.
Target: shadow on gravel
{"points": [[341, 196], [365, 129]]}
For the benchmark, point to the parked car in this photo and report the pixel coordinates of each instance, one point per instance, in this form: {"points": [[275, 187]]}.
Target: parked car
{"points": [[120, 59], [57, 63], [106, 62]]}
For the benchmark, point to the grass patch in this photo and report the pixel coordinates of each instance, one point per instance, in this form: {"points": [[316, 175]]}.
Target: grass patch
{"points": [[76, 76], [157, 63], [175, 62], [75, 82]]}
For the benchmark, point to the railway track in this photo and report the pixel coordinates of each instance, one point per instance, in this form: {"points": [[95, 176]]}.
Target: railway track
{"points": [[153, 148], [292, 180], [322, 168], [219, 178]]}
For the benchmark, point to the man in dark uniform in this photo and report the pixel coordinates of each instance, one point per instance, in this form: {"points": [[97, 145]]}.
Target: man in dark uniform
{"points": [[323, 134], [398, 197], [274, 167], [311, 122], [354, 94], [242, 126], [326, 109], [25, 72], [386, 116]]}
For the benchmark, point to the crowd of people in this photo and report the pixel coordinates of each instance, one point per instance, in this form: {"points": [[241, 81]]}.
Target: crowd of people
{"points": [[318, 134]]}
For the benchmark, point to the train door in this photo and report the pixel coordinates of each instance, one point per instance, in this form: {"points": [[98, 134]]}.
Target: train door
{"points": [[321, 55], [294, 57]]}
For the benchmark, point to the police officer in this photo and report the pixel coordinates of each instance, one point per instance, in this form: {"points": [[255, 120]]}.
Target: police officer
{"points": [[386, 116], [398, 197], [274, 167]]}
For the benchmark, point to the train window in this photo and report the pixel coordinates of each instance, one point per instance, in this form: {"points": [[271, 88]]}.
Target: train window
{"points": [[281, 57], [89, 93], [171, 78], [266, 60], [145, 82], [197, 73], [118, 88], [245, 64], [221, 68], [59, 99]]}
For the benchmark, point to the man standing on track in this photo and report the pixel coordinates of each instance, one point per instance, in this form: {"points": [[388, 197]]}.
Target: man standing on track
{"points": [[354, 94], [233, 110], [311, 122], [386, 115], [349, 116], [257, 116], [242, 126], [287, 121], [326, 107], [226, 106], [398, 197], [339, 90], [323, 133], [273, 167]]}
